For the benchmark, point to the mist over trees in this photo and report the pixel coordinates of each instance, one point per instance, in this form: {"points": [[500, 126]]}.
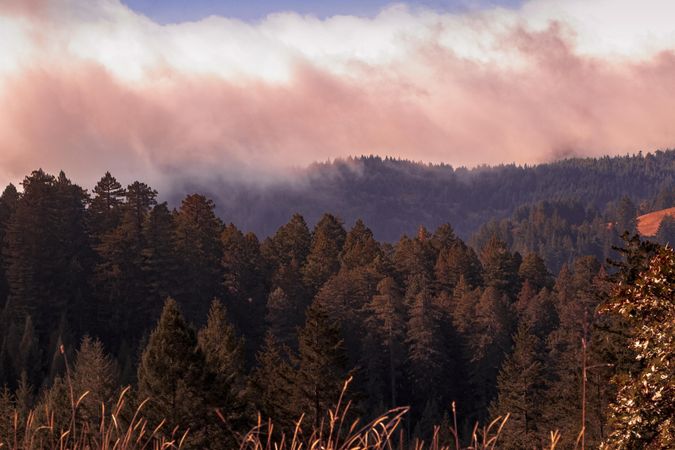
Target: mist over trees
{"points": [[213, 324], [397, 196]]}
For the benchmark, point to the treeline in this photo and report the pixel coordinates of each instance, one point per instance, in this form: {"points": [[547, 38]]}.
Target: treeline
{"points": [[424, 322], [396, 196]]}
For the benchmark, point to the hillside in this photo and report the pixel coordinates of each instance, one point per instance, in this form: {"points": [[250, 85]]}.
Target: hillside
{"points": [[648, 224], [396, 196]]}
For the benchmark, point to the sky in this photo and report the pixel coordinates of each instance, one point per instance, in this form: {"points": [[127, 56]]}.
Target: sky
{"points": [[175, 11], [150, 90]]}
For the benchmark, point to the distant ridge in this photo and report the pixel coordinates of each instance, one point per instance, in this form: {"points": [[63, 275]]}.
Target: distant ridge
{"points": [[648, 224]]}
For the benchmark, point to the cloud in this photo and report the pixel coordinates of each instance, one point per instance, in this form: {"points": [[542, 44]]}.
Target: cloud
{"points": [[89, 86]]}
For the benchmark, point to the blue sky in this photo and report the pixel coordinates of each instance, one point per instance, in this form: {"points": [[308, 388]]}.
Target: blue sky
{"points": [[166, 11]]}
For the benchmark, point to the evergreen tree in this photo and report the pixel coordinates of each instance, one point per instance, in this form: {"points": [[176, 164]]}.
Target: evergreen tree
{"points": [[520, 386], [8, 202], [533, 271], [425, 350], [286, 254], [245, 281], [283, 317], [415, 257], [500, 267], [455, 262], [198, 244], [96, 374], [360, 247], [105, 210], [46, 252], [323, 260], [384, 351], [272, 383], [171, 376], [160, 259], [666, 232], [322, 366], [29, 356], [120, 275], [224, 356], [625, 215]]}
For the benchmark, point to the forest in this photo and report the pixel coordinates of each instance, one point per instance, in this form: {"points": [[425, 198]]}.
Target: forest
{"points": [[210, 329], [395, 197]]}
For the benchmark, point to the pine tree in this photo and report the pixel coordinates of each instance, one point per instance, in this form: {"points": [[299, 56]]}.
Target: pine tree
{"points": [[286, 254], [272, 383], [500, 267], [322, 366], [105, 212], [171, 376], [385, 341], [458, 261], [323, 260], [245, 281], [198, 244], [8, 202], [96, 374], [520, 386], [415, 257], [120, 275], [47, 252], [282, 317], [425, 346], [29, 355], [360, 249], [666, 232], [485, 322], [160, 259], [533, 270], [224, 356]]}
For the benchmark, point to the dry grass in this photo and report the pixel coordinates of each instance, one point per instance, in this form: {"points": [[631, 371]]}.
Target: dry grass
{"points": [[39, 430], [648, 224], [383, 433], [114, 432]]}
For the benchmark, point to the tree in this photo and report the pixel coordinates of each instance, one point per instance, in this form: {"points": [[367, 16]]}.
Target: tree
{"points": [[323, 260], [415, 257], [455, 262], [160, 259], [520, 386], [8, 203], [286, 253], [424, 342], [245, 282], [322, 366], [171, 376], [500, 267], [47, 252], [385, 347], [643, 413], [272, 383], [360, 247], [29, 355], [666, 232], [533, 270], [95, 373], [105, 210], [282, 317], [224, 357], [198, 244]]}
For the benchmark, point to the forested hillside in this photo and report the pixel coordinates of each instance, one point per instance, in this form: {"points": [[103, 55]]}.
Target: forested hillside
{"points": [[213, 324], [395, 197]]}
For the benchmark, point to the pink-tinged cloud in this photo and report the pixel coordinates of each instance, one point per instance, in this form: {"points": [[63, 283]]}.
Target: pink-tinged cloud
{"points": [[506, 90]]}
